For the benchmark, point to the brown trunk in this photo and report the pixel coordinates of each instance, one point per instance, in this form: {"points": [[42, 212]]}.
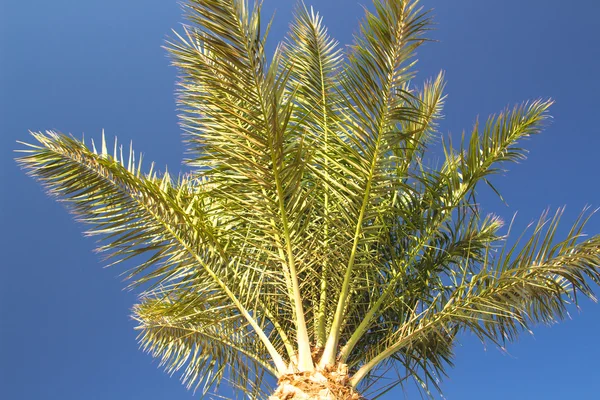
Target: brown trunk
{"points": [[330, 384]]}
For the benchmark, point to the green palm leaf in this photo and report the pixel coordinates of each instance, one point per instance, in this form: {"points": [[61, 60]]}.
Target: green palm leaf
{"points": [[201, 332], [375, 92], [142, 216], [499, 298], [245, 144]]}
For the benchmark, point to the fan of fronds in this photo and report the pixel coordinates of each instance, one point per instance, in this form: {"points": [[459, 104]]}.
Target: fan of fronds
{"points": [[310, 231]]}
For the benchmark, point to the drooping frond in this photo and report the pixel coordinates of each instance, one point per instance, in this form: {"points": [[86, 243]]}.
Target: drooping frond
{"points": [[458, 242], [200, 332]]}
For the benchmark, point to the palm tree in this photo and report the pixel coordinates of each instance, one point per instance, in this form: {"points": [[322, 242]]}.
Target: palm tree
{"points": [[311, 241]]}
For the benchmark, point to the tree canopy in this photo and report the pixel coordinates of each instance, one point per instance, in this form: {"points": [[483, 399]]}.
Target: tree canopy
{"points": [[311, 233]]}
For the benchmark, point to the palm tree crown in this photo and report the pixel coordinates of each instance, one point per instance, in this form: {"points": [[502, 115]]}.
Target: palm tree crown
{"points": [[311, 238]]}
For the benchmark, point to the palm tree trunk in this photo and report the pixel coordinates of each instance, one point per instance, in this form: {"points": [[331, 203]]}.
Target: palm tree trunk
{"points": [[329, 384]]}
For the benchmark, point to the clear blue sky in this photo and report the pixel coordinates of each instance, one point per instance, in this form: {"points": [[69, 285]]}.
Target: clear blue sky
{"points": [[80, 66]]}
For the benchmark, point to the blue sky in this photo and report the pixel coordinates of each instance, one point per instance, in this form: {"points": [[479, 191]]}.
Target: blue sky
{"points": [[81, 66]]}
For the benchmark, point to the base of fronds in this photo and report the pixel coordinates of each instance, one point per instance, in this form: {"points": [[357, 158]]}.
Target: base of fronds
{"points": [[329, 384]]}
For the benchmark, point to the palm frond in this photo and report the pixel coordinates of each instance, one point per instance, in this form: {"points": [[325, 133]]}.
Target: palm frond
{"points": [[141, 216], [138, 214], [314, 59], [255, 161], [527, 284], [201, 333], [441, 196], [375, 101]]}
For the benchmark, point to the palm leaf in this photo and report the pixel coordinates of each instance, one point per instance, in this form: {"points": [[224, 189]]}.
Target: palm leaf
{"points": [[375, 101], [237, 103], [313, 60], [141, 215], [521, 287], [202, 333], [446, 195]]}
